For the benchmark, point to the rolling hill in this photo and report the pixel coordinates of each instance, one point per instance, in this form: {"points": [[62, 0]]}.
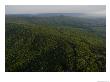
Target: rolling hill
{"points": [[55, 43]]}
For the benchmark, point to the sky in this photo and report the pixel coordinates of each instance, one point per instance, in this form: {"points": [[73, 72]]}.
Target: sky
{"points": [[90, 10]]}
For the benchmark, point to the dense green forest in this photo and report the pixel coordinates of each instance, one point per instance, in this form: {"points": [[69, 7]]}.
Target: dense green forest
{"points": [[55, 44]]}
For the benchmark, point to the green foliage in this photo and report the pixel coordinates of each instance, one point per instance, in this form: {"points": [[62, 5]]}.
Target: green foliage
{"points": [[53, 47]]}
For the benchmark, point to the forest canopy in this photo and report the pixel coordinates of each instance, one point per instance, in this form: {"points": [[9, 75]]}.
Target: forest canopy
{"points": [[55, 44]]}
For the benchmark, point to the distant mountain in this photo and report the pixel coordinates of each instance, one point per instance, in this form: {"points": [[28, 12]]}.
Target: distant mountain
{"points": [[51, 14], [59, 14], [82, 15], [71, 19]]}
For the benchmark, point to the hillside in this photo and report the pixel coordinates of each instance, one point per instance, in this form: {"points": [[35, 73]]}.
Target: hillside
{"points": [[55, 44]]}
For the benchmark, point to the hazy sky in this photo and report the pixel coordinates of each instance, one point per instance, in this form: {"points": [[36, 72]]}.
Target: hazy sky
{"points": [[93, 10]]}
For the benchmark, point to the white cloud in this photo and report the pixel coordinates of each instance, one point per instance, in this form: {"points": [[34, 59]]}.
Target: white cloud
{"points": [[98, 10]]}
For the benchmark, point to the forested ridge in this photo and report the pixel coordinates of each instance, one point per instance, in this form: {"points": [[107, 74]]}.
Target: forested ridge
{"points": [[54, 44]]}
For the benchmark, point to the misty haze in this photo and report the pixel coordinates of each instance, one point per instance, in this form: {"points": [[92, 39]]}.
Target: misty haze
{"points": [[46, 38]]}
